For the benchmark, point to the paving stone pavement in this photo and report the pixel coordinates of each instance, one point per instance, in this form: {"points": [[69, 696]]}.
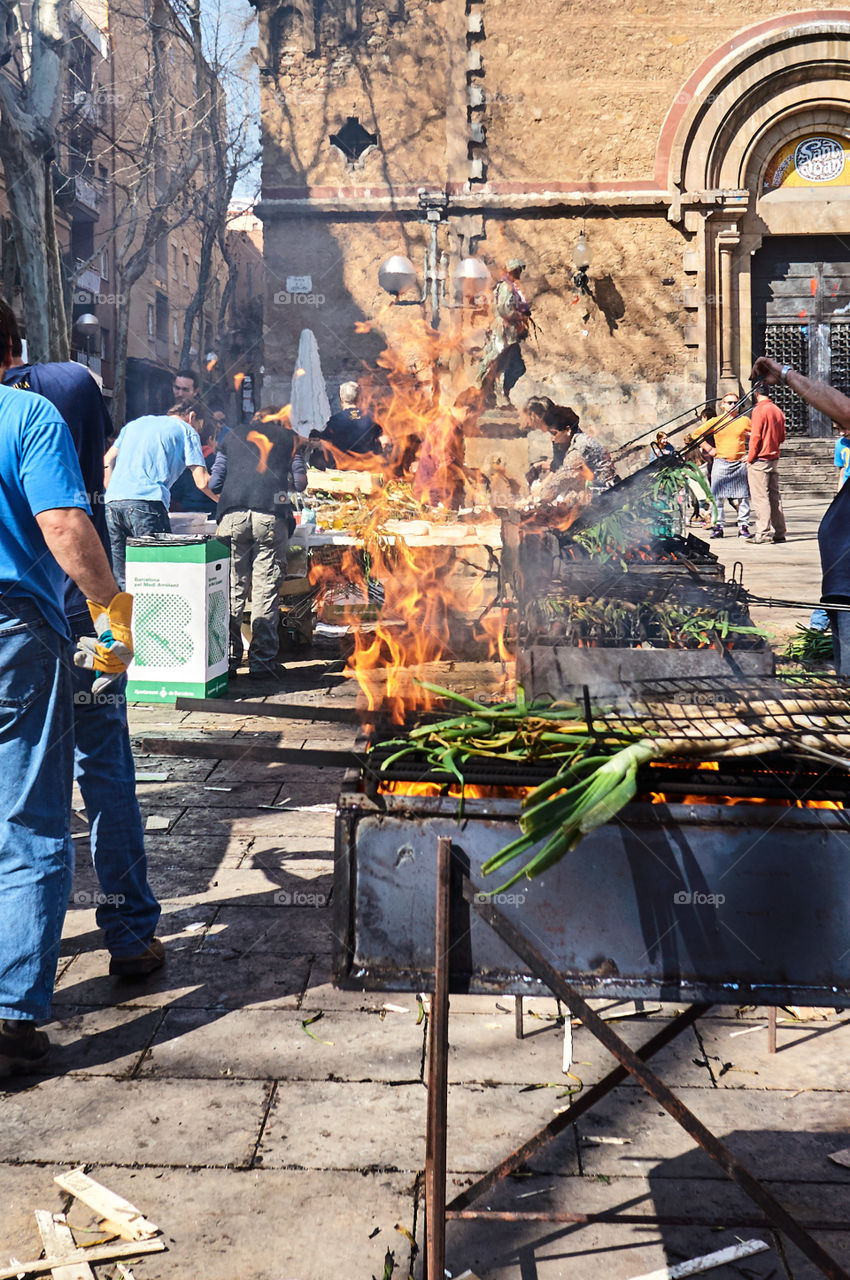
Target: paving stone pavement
{"points": [[782, 571], [271, 1147]]}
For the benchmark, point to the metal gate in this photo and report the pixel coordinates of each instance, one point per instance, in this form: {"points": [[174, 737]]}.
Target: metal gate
{"points": [[801, 317], [788, 343]]}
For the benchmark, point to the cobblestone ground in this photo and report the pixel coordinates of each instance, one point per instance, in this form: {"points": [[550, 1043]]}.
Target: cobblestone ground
{"points": [[267, 1153]]}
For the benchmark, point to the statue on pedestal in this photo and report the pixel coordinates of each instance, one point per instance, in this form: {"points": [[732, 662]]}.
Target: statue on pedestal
{"points": [[502, 364]]}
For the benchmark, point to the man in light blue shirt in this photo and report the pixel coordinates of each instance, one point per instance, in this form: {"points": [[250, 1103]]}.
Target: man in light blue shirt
{"points": [[140, 468]]}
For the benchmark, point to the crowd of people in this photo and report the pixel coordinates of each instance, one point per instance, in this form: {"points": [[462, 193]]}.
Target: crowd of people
{"points": [[189, 460], [739, 455]]}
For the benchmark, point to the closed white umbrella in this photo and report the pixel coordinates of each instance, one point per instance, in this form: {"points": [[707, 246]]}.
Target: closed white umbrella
{"points": [[310, 406]]}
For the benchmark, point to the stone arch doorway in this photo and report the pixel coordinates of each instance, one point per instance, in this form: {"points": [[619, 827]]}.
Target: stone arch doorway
{"points": [[800, 290], [776, 90]]}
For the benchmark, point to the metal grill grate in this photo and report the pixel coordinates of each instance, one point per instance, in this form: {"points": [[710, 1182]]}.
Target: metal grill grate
{"points": [[839, 348], [789, 344], [775, 731]]}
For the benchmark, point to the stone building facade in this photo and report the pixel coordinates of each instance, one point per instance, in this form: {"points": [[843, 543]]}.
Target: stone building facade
{"points": [[705, 155]]}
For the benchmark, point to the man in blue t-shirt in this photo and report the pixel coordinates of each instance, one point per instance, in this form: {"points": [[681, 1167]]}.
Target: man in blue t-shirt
{"points": [[127, 911], [45, 533], [140, 468]]}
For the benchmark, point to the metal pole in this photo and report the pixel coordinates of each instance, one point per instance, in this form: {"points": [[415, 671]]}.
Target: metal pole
{"points": [[438, 1075], [519, 1030], [728, 1220], [435, 292], [656, 1088]]}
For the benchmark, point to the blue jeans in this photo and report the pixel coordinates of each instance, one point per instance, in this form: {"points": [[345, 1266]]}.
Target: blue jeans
{"points": [[132, 518], [741, 507], [36, 761], [840, 622], [127, 910]]}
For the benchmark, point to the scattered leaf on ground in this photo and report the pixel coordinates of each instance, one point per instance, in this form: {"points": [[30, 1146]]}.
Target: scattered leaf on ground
{"points": [[307, 1023]]}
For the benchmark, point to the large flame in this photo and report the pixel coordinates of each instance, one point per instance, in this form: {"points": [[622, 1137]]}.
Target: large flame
{"points": [[280, 415], [426, 605]]}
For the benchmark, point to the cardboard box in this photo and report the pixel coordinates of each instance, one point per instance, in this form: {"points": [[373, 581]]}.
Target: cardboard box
{"points": [[181, 615]]}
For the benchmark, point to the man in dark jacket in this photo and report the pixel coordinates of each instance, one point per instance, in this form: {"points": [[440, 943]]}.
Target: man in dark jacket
{"points": [[352, 438], [255, 468]]}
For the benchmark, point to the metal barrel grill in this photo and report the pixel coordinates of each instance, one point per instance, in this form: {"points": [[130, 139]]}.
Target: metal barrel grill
{"points": [[723, 880]]}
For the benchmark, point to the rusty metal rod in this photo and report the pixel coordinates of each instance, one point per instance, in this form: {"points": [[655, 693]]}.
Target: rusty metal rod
{"points": [[540, 967], [380, 714], [438, 1073], [634, 1219], [583, 1103]]}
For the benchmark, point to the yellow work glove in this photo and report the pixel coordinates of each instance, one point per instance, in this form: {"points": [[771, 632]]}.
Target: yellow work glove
{"points": [[112, 650]]}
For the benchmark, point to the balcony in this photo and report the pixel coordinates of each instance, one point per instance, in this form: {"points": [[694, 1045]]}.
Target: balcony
{"points": [[76, 195], [88, 281], [87, 107]]}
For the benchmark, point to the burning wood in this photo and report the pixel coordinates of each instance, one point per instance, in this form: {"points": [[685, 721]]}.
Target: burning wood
{"points": [[423, 603]]}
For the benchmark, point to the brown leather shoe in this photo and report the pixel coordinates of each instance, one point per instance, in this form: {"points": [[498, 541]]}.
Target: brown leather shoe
{"points": [[139, 966]]}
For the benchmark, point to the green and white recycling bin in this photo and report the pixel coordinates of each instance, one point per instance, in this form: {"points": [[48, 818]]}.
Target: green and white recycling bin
{"points": [[181, 614]]}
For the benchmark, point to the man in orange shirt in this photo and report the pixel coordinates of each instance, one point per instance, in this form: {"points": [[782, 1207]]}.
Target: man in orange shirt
{"points": [[729, 468], [766, 436]]}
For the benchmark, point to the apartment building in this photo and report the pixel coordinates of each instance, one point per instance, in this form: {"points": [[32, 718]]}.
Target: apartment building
{"points": [[126, 130]]}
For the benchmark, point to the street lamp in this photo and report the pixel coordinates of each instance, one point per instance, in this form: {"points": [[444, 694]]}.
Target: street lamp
{"points": [[88, 326], [396, 274], [472, 276], [582, 258]]}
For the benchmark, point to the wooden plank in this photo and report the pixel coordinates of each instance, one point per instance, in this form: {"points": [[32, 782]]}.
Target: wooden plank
{"points": [[97, 1253], [697, 1266], [245, 749], [128, 1221], [276, 710], [58, 1241], [333, 481]]}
